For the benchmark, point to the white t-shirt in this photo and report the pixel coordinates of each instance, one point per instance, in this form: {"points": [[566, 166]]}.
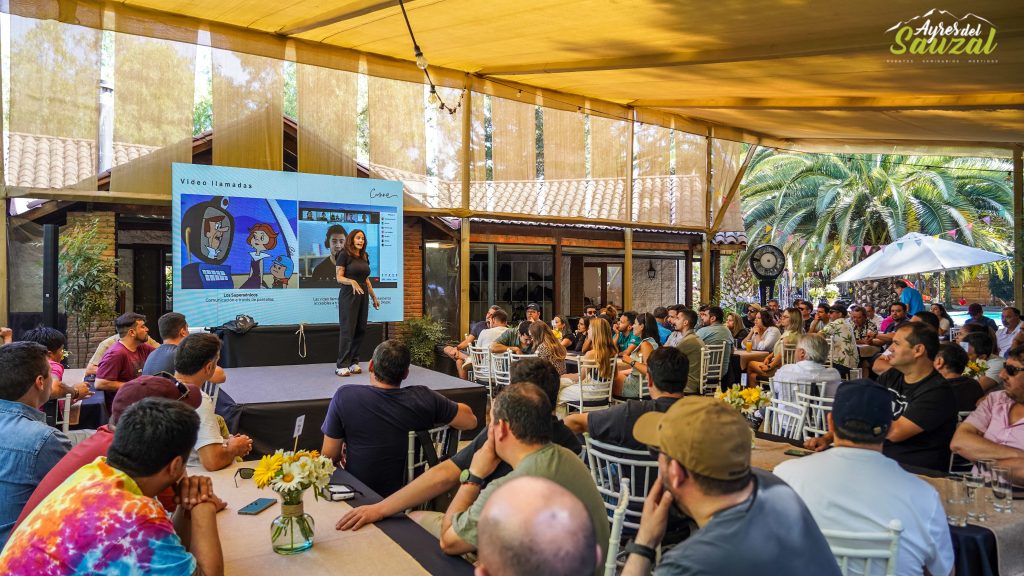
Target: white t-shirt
{"points": [[209, 429], [489, 335], [808, 372], [1005, 338], [862, 491], [995, 366]]}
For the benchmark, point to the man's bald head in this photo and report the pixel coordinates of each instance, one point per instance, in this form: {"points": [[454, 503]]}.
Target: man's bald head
{"points": [[533, 526]]}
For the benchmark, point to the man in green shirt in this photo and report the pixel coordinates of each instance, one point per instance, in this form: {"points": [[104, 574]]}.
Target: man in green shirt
{"points": [[519, 434], [516, 340]]}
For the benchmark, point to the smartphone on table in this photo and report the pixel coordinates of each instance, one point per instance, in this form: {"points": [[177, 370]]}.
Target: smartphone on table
{"points": [[256, 506]]}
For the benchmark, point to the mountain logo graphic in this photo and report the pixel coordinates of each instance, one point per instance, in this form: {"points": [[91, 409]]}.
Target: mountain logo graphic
{"points": [[942, 33]]}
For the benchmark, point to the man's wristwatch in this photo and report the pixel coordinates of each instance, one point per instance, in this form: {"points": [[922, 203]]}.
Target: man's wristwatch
{"points": [[468, 477], [639, 549]]}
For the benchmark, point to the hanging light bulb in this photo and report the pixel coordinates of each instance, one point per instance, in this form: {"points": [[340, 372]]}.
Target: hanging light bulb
{"points": [[434, 99], [519, 93], [421, 60]]}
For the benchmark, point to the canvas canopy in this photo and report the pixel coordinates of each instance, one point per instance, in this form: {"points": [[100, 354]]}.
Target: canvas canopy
{"points": [[918, 253]]}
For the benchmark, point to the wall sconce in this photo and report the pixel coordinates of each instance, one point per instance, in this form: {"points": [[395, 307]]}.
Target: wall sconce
{"points": [[651, 272]]}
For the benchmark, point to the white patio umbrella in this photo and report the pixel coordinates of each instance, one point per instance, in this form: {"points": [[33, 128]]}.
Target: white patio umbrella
{"points": [[917, 253]]}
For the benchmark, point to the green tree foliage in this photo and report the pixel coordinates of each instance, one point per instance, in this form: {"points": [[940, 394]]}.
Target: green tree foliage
{"points": [[816, 206], [88, 279]]}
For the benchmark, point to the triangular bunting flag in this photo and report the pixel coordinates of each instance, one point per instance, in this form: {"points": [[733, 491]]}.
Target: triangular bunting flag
{"points": [[853, 248], [953, 232], [867, 250], [918, 241], [987, 219], [970, 226], [899, 245]]}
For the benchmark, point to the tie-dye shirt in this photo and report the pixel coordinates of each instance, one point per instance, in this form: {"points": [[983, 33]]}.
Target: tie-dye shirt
{"points": [[96, 522]]}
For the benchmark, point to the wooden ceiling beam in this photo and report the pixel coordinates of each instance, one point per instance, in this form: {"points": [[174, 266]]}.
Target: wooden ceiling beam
{"points": [[1000, 101], [349, 11]]}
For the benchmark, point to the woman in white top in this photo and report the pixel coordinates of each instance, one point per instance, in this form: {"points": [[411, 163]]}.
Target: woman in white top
{"points": [[793, 324], [764, 334]]}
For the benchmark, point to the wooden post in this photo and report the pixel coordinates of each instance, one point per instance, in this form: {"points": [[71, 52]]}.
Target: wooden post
{"points": [[627, 270], [688, 297], [467, 118], [557, 278], [1018, 227], [705, 254]]}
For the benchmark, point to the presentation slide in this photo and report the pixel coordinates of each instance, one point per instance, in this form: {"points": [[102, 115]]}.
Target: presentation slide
{"points": [[264, 243]]}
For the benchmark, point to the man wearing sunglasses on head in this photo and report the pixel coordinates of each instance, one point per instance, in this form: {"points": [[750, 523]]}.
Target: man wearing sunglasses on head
{"points": [[995, 430], [96, 445]]}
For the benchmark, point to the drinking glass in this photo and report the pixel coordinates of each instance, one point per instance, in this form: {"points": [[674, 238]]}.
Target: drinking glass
{"points": [[984, 468], [956, 501], [977, 508], [1002, 489]]}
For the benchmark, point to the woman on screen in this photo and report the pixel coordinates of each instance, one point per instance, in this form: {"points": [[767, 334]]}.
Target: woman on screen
{"points": [[353, 268], [261, 238]]}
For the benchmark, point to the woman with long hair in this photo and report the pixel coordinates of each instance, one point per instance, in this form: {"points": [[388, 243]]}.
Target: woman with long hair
{"points": [[581, 345], [734, 323], [261, 239], [353, 273], [628, 382], [602, 352], [792, 328], [562, 331], [764, 334], [546, 345], [945, 322]]}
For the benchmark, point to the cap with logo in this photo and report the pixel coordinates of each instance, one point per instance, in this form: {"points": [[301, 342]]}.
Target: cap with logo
{"points": [[153, 386], [705, 435], [863, 406], [533, 306]]}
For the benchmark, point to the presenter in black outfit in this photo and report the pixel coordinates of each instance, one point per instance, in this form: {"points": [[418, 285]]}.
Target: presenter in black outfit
{"points": [[353, 268]]}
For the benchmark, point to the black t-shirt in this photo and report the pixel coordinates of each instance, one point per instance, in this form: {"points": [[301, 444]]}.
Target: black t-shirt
{"points": [[931, 404], [325, 275], [579, 339], [161, 360], [560, 435], [615, 425], [967, 392], [375, 424], [894, 326], [355, 268]]}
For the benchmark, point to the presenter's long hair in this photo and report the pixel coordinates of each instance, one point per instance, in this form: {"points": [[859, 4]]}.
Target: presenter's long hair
{"points": [[350, 245]]}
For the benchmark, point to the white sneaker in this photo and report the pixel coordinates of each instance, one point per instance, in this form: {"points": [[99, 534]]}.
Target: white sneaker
{"points": [[355, 369], [342, 372]]}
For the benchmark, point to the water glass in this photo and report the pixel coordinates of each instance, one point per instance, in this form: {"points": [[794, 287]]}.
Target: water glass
{"points": [[984, 467], [977, 507], [956, 501], [1002, 489]]}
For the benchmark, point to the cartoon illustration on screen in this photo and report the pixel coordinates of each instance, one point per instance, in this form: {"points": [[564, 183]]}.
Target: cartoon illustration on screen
{"points": [[207, 231], [226, 248], [281, 271], [261, 238]]}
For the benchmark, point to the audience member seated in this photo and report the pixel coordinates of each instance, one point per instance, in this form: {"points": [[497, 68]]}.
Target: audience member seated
{"points": [[995, 430], [792, 329], [563, 332], [173, 329], [666, 369], [546, 345], [54, 342], [735, 325], [367, 427], [444, 477], [897, 318], [581, 343], [809, 368], [764, 334], [458, 352], [625, 340], [6, 335], [820, 319], [532, 315], [195, 363], [686, 341], [981, 349], [873, 316], [627, 381], [909, 296], [854, 488], [515, 339], [842, 347], [751, 316], [951, 362], [125, 358], [714, 332], [945, 321], [665, 329], [499, 324], [773, 307], [97, 445], [602, 353], [104, 519], [532, 526], [924, 406], [101, 351], [750, 522], [30, 448], [881, 363], [1010, 335], [520, 436], [977, 316]]}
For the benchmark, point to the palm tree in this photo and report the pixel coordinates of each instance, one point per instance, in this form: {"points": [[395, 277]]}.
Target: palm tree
{"points": [[816, 206]]}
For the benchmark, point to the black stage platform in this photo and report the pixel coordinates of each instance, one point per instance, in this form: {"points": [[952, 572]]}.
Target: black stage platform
{"points": [[263, 402]]}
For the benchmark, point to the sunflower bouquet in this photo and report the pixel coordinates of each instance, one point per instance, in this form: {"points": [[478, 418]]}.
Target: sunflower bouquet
{"points": [[976, 368], [747, 401], [291, 473]]}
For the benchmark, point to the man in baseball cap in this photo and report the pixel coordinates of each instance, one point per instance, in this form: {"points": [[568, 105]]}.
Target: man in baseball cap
{"points": [[97, 444], [703, 448], [854, 487]]}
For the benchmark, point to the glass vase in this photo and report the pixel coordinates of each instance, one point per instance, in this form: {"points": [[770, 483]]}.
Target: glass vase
{"points": [[292, 531]]}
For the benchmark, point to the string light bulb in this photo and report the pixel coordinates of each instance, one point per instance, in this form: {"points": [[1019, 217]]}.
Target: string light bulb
{"points": [[421, 60], [421, 63]]}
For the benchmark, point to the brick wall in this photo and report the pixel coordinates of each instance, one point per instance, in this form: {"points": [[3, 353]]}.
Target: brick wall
{"points": [[81, 351], [412, 230]]}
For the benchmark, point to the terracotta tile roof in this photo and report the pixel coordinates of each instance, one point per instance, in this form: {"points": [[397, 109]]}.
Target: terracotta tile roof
{"points": [[727, 238], [39, 161]]}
